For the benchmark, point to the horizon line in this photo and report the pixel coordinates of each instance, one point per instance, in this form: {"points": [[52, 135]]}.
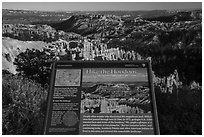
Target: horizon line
{"points": [[102, 10]]}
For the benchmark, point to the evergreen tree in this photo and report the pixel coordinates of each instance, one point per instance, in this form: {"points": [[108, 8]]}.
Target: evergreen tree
{"points": [[34, 64]]}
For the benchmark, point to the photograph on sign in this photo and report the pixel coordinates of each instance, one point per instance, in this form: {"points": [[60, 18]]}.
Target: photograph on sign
{"points": [[114, 92]]}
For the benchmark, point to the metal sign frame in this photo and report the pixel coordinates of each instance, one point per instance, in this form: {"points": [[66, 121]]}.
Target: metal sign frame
{"points": [[102, 64]]}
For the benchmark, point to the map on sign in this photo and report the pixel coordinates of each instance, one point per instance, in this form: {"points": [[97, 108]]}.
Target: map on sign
{"points": [[65, 77], [101, 98]]}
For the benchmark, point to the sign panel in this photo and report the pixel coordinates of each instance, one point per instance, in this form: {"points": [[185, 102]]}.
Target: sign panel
{"points": [[101, 98]]}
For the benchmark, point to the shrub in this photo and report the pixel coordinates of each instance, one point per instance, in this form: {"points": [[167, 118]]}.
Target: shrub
{"points": [[22, 105], [34, 65], [182, 114]]}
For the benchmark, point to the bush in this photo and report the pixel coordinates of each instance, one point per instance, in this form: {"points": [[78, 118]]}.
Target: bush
{"points": [[34, 64], [182, 114], [23, 101]]}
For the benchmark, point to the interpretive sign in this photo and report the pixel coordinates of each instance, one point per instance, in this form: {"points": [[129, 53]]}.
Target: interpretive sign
{"points": [[115, 97]]}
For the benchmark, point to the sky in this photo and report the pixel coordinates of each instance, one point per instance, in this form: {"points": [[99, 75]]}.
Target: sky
{"points": [[100, 6]]}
